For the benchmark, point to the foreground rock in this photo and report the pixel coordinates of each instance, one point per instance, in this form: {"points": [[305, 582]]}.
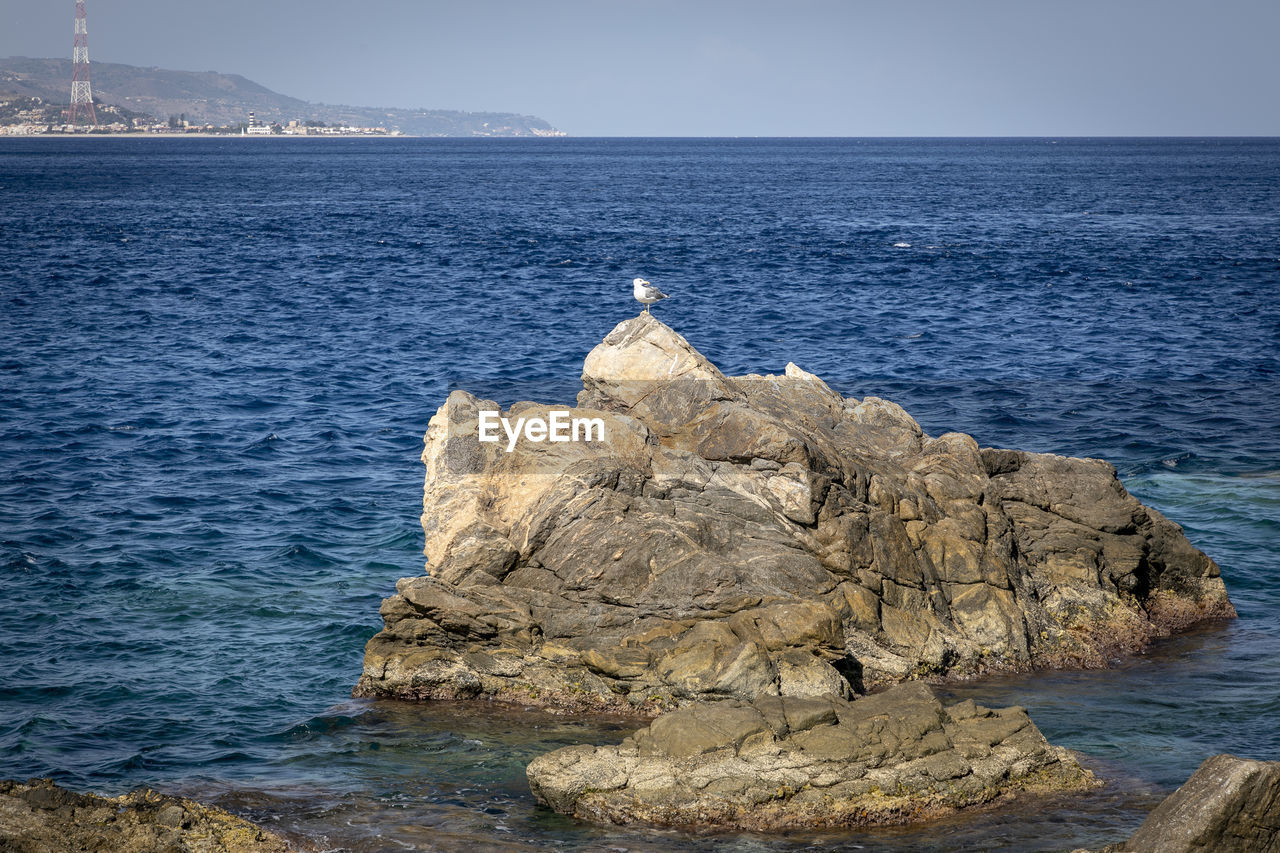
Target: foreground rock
{"points": [[41, 817], [1229, 805], [737, 537], [780, 762]]}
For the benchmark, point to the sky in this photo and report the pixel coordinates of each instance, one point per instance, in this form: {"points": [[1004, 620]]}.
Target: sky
{"points": [[714, 68]]}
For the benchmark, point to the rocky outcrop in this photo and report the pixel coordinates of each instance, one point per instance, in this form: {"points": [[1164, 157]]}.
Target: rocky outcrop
{"points": [[780, 762], [41, 817], [739, 537], [1229, 805]]}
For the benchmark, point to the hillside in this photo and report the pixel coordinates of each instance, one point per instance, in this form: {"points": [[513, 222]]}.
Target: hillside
{"points": [[208, 97]]}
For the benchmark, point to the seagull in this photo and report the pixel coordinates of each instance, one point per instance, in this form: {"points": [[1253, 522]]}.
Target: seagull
{"points": [[646, 293]]}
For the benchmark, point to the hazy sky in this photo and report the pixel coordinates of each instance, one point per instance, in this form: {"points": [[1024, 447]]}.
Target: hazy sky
{"points": [[744, 68]]}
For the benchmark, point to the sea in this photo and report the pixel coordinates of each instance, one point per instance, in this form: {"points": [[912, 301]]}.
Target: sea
{"points": [[218, 358]]}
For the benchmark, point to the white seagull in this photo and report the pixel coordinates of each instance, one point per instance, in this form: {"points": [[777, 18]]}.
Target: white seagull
{"points": [[646, 293]]}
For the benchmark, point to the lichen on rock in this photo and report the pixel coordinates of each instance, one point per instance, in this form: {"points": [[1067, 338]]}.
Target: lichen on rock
{"points": [[752, 536]]}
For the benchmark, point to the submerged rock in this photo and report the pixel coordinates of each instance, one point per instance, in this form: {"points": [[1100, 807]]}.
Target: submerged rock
{"points": [[739, 537], [1229, 805], [41, 817], [780, 762]]}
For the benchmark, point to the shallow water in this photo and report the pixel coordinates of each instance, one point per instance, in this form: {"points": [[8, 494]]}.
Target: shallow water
{"points": [[217, 360]]}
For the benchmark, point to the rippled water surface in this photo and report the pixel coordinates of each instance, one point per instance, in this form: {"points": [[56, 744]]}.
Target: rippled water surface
{"points": [[217, 359]]}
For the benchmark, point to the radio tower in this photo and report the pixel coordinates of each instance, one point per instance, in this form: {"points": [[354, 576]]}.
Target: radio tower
{"points": [[81, 94]]}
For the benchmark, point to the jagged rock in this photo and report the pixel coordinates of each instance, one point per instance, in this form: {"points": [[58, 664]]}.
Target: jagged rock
{"points": [[1229, 805], [761, 535], [41, 817], [781, 762]]}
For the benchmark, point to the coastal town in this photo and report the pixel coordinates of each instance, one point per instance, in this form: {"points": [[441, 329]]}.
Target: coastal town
{"points": [[36, 117], [32, 115]]}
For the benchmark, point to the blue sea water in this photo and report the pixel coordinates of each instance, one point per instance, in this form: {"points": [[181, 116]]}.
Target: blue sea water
{"points": [[218, 357]]}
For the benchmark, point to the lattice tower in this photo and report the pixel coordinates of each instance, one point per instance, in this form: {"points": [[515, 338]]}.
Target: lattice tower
{"points": [[81, 92]]}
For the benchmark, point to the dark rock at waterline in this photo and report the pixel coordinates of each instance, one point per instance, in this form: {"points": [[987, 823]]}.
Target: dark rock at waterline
{"points": [[738, 537], [1229, 805], [41, 817], [780, 762]]}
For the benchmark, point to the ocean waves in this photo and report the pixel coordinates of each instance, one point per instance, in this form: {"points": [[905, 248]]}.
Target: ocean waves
{"points": [[216, 369]]}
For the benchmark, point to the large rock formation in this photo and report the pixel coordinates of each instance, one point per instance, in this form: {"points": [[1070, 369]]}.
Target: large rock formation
{"points": [[738, 537], [780, 762], [1229, 805], [41, 817]]}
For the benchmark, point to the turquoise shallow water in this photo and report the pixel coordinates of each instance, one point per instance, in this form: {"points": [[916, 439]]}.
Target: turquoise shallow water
{"points": [[217, 361]]}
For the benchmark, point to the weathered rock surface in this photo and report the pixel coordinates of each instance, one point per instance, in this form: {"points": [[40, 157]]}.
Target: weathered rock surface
{"points": [[779, 762], [1229, 805], [761, 535], [41, 817]]}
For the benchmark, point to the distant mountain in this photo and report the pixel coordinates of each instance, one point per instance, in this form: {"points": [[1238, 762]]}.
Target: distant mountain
{"points": [[207, 97]]}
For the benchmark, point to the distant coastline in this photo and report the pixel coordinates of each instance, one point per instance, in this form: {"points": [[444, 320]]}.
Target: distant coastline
{"points": [[237, 136], [35, 95]]}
